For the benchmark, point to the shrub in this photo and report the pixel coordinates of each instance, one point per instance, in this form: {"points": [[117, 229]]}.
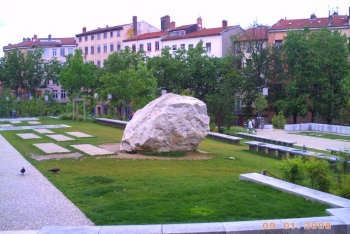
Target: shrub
{"points": [[319, 173], [234, 129], [278, 121], [292, 169], [343, 186]]}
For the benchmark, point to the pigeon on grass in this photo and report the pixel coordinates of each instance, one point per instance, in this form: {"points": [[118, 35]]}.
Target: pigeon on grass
{"points": [[54, 170], [23, 170]]}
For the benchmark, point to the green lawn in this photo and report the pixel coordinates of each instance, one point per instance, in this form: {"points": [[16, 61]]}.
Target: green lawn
{"points": [[128, 191], [324, 135]]}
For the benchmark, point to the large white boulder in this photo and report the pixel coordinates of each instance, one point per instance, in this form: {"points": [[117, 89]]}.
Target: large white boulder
{"points": [[169, 123]]}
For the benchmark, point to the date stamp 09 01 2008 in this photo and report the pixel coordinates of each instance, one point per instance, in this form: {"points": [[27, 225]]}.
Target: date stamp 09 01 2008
{"points": [[291, 225]]}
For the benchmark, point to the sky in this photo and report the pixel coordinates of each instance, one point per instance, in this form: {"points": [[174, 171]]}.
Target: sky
{"points": [[65, 18]]}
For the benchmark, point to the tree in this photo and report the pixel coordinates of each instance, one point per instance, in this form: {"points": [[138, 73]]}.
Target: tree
{"points": [[317, 63], [76, 75], [252, 51]]}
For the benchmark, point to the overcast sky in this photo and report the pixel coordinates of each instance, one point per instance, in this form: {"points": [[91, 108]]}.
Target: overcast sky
{"points": [[66, 18]]}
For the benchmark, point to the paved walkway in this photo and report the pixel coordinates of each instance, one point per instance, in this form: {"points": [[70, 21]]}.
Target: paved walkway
{"points": [[308, 141], [30, 201]]}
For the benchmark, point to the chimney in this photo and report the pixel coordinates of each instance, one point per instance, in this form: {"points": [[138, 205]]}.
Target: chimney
{"points": [[313, 16], [10, 44], [329, 18], [224, 24], [24, 39], [165, 23], [84, 30], [172, 25], [106, 26], [199, 23], [35, 38], [134, 25], [28, 39]]}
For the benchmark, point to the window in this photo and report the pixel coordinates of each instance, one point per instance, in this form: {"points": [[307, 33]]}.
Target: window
{"points": [[182, 46], [63, 93], [104, 61], [133, 48], [190, 46], [278, 42], [238, 48], [157, 45], [79, 39], [259, 46], [62, 52], [98, 63], [54, 52], [98, 49], [47, 81], [80, 48], [70, 50], [248, 48], [92, 37], [118, 33], [46, 52], [111, 34], [118, 46], [98, 36], [54, 94], [149, 47], [104, 48], [111, 47], [86, 50], [104, 35], [86, 38], [92, 49], [174, 47], [141, 46], [208, 45]]}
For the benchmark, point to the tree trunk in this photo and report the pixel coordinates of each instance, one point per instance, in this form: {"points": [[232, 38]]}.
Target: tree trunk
{"points": [[295, 119]]}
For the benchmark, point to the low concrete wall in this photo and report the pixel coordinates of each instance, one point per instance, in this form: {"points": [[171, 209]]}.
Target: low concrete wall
{"points": [[318, 127]]}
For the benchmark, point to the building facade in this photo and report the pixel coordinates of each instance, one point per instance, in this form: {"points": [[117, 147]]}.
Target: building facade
{"points": [[52, 47], [216, 40], [98, 44]]}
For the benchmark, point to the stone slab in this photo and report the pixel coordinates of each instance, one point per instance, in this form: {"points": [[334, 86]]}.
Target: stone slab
{"points": [[298, 190], [15, 122], [134, 229], [51, 148], [60, 137], [259, 226], [342, 213], [18, 119], [34, 127], [91, 149], [194, 228], [71, 230], [33, 122], [43, 131], [28, 136], [5, 125], [79, 134]]}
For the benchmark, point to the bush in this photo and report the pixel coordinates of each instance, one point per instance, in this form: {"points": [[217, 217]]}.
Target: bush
{"points": [[319, 173], [234, 129], [278, 121], [292, 169], [343, 186]]}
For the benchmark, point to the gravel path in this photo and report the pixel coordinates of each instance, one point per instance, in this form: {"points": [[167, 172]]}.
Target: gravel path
{"points": [[30, 201]]}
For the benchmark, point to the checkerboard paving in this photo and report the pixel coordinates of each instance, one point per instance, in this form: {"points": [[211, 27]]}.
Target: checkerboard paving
{"points": [[5, 125], [91, 149], [33, 122], [79, 134], [28, 136], [51, 148], [43, 130], [60, 137]]}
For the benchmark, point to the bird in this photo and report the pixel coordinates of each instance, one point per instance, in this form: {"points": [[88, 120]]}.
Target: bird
{"points": [[54, 170], [23, 170]]}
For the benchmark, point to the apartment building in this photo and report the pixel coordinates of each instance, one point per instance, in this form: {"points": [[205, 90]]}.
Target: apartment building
{"points": [[53, 48], [99, 43], [215, 40]]}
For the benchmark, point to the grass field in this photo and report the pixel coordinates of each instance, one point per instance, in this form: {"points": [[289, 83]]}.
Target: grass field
{"points": [[141, 191], [324, 135]]}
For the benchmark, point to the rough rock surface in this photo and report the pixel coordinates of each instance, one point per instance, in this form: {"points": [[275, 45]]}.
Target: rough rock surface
{"points": [[169, 123]]}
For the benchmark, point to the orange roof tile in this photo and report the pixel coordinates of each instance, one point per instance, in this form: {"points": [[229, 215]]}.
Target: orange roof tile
{"points": [[258, 33], [147, 36], [200, 33], [42, 42], [332, 21]]}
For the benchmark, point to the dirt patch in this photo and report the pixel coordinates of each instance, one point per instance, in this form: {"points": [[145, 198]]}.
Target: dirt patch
{"points": [[115, 148]]}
